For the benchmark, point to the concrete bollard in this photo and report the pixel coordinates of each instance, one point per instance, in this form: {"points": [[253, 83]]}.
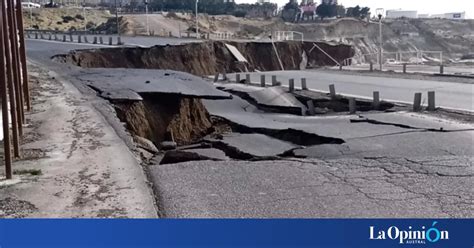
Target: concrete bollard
{"points": [[111, 41], [95, 40], [376, 102], [237, 78], [431, 101], [417, 102], [101, 40], [262, 81], [216, 77], [352, 105], [79, 39], [71, 38], [340, 67], [371, 66], [332, 91], [311, 107], [64, 38], [28, 35], [86, 40], [41, 36], [247, 79], [119, 41], [274, 80], [56, 37], [441, 69], [36, 35], [50, 37], [404, 68], [291, 85], [224, 75], [303, 84]]}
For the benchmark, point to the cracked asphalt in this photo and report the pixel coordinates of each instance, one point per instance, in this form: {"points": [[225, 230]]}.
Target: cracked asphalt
{"points": [[296, 188]]}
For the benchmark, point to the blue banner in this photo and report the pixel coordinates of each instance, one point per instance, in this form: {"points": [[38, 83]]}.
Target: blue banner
{"points": [[238, 233]]}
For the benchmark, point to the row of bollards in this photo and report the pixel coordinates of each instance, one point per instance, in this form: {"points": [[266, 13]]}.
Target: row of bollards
{"points": [[332, 93], [275, 82], [14, 88], [431, 101], [80, 38]]}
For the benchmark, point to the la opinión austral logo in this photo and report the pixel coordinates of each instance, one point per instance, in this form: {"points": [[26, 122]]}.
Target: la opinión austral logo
{"points": [[420, 235]]}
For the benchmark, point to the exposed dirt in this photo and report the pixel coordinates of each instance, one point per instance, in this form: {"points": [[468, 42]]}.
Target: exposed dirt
{"points": [[64, 19], [207, 58], [164, 117]]}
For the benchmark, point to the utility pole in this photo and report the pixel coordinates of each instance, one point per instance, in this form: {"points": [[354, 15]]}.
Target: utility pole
{"points": [[380, 15], [197, 20], [146, 14], [84, 14], [117, 18]]}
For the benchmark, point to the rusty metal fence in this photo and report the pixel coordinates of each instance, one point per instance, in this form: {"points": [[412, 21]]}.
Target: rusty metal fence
{"points": [[13, 80]]}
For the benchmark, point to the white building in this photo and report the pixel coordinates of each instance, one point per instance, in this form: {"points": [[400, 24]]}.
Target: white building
{"points": [[398, 13], [451, 16], [455, 16]]}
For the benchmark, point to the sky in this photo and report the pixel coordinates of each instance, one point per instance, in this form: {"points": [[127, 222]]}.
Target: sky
{"points": [[423, 6]]}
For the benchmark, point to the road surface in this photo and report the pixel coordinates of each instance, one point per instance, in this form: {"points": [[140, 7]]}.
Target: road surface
{"points": [[449, 95]]}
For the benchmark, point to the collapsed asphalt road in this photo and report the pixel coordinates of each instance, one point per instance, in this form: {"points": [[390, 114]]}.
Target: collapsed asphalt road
{"points": [[255, 162], [448, 94]]}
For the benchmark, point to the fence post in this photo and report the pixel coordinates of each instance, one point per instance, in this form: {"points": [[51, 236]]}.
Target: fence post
{"points": [[291, 85], [352, 105], [376, 102], [431, 101], [417, 102], [332, 91], [303, 84], [262, 81]]}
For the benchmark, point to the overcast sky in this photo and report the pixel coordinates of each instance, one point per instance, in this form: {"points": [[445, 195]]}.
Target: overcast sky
{"points": [[423, 6]]}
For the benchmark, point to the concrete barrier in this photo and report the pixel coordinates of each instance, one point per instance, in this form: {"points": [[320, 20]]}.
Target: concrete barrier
{"points": [[262, 81], [303, 84], [332, 91], [274, 80], [417, 102], [376, 102], [431, 101], [352, 105], [291, 85], [311, 107]]}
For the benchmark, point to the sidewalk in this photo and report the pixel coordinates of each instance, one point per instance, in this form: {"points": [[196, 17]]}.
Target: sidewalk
{"points": [[74, 164]]}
